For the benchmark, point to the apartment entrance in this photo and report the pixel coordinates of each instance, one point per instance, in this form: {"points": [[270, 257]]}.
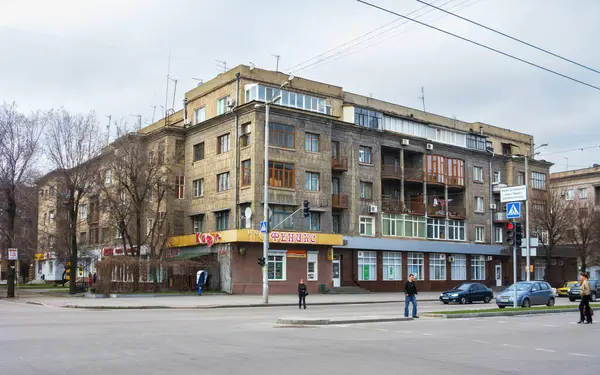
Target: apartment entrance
{"points": [[336, 272], [498, 274]]}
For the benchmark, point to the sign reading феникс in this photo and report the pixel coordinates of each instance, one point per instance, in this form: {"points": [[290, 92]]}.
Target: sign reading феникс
{"points": [[289, 237]]}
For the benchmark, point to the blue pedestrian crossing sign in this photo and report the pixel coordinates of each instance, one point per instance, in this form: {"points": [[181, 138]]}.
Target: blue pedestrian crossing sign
{"points": [[513, 210], [263, 227]]}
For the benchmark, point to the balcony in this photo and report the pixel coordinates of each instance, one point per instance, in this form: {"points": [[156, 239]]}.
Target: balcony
{"points": [[339, 200], [455, 212], [415, 208], [391, 172], [435, 178], [436, 211], [496, 187], [413, 174], [392, 205], [339, 164], [455, 181], [500, 217]]}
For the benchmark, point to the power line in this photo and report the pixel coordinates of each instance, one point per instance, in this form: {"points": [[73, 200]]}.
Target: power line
{"points": [[574, 149], [481, 45], [510, 37]]}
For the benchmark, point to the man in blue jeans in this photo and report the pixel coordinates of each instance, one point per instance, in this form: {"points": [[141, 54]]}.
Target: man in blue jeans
{"points": [[410, 292]]}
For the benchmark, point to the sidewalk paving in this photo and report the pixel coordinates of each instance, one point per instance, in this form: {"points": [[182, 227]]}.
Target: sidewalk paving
{"points": [[208, 301]]}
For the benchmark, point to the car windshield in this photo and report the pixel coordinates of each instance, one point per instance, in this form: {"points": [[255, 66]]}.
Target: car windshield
{"points": [[520, 287], [462, 287], [572, 283]]}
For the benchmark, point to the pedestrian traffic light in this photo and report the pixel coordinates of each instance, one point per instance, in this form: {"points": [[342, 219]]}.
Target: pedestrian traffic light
{"points": [[261, 261], [518, 234], [306, 209], [510, 234]]}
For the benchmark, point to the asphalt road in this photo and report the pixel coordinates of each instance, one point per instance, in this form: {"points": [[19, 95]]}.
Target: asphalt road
{"points": [[44, 340]]}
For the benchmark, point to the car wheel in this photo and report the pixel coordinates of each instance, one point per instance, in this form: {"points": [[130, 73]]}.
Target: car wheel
{"points": [[571, 299], [550, 302], [487, 299], [445, 303], [526, 303], [501, 307], [463, 301], [593, 296]]}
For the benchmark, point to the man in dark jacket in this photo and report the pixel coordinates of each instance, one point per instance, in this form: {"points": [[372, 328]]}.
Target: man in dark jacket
{"points": [[410, 293], [302, 293]]}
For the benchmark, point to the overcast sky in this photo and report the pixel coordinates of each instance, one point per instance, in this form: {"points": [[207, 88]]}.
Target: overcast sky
{"points": [[111, 56]]}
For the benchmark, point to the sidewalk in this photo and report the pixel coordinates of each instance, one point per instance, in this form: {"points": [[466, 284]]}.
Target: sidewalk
{"points": [[208, 301]]}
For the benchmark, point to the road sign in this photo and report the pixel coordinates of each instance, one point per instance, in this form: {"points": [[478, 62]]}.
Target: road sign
{"points": [[13, 254], [513, 210], [263, 227], [513, 194]]}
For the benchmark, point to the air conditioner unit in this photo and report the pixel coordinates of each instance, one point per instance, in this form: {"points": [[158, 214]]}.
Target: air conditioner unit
{"points": [[443, 256], [372, 209], [405, 142], [489, 257], [361, 254], [553, 262], [230, 102], [430, 146], [492, 206], [187, 121], [450, 259]]}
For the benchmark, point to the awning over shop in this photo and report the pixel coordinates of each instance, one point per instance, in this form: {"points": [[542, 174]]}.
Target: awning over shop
{"points": [[187, 253]]}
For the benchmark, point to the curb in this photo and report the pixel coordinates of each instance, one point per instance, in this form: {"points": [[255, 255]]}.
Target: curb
{"points": [[495, 314], [319, 322]]}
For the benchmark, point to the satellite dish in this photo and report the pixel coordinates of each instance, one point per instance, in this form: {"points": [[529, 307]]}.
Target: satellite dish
{"points": [[248, 213]]}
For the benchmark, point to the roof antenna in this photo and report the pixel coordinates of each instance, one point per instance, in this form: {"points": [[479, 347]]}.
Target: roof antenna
{"points": [[422, 97], [277, 57]]}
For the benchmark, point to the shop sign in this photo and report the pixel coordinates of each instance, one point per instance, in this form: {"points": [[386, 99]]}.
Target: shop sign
{"points": [[330, 253], [296, 253], [13, 254], [107, 251], [288, 237], [208, 238]]}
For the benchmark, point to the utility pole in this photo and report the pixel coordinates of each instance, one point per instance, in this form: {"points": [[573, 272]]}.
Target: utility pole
{"points": [[277, 57], [422, 97]]}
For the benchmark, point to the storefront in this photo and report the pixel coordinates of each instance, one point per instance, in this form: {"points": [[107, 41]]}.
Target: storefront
{"points": [[292, 256]]}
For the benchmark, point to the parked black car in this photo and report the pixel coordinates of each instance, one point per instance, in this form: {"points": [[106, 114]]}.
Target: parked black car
{"points": [[468, 293], [575, 292]]}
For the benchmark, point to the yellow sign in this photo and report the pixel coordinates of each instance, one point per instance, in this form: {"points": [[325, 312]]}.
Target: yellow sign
{"points": [[245, 235], [330, 254], [39, 256]]}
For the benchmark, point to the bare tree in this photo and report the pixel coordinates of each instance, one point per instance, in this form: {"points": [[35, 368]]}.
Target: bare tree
{"points": [[553, 217], [583, 232], [73, 142], [19, 145]]}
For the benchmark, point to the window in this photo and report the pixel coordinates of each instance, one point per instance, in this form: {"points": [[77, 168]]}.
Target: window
{"points": [[197, 223], [83, 210], [582, 192], [312, 266], [222, 220], [45, 218], [312, 181], [283, 136], [478, 174], [245, 138], [223, 182], [51, 267], [199, 151], [540, 269], [180, 187], [400, 225], [520, 178], [496, 177], [336, 223], [314, 221], [392, 265], [458, 268], [476, 141], [107, 177], [276, 265], [281, 175], [479, 204], [281, 213], [51, 216], [365, 155], [223, 144], [52, 191], [366, 226], [199, 115], [311, 142], [477, 267], [222, 105], [198, 188], [367, 266], [498, 234], [456, 230], [149, 226], [538, 180], [368, 118], [366, 190], [456, 172], [83, 237], [435, 169], [479, 234], [246, 169], [569, 195], [436, 229], [437, 267], [415, 265]]}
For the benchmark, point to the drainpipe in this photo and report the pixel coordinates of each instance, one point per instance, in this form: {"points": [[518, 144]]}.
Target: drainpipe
{"points": [[235, 153], [492, 233]]}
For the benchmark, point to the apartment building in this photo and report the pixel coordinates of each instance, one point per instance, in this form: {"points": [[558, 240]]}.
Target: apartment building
{"points": [[392, 190]]}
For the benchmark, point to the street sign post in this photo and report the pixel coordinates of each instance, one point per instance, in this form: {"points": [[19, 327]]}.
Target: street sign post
{"points": [[513, 194], [513, 210], [13, 254]]}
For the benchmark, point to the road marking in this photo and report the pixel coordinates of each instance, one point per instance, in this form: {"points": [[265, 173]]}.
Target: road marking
{"points": [[545, 350], [482, 342], [382, 330], [512, 346], [549, 325], [501, 321], [580, 355], [428, 334]]}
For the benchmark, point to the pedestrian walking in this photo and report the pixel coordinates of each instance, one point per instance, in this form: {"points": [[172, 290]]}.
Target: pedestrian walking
{"points": [[585, 311], [410, 293], [302, 293], [90, 279]]}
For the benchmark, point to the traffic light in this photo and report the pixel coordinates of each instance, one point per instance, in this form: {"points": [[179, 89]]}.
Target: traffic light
{"points": [[261, 261], [518, 234], [306, 209], [510, 234]]}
